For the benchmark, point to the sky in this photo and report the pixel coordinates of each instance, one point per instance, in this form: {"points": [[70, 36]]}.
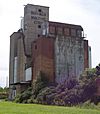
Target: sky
{"points": [[81, 12]]}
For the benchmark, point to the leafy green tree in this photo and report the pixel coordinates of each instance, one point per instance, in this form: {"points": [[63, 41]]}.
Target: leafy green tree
{"points": [[1, 89]]}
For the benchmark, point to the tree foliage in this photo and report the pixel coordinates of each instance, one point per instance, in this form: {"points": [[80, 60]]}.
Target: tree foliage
{"points": [[71, 92], [4, 92]]}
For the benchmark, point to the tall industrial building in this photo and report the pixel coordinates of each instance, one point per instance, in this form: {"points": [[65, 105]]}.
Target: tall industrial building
{"points": [[68, 49], [56, 49], [34, 16]]}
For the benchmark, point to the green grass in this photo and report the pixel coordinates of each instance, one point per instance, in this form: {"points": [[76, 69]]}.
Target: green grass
{"points": [[13, 108]]}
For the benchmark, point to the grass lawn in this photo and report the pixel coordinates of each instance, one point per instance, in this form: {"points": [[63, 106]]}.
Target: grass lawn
{"points": [[13, 108]]}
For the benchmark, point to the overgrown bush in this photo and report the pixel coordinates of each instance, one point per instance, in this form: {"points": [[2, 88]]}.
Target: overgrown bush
{"points": [[67, 94], [3, 95], [23, 97], [46, 95], [29, 95], [39, 84], [88, 105], [71, 92]]}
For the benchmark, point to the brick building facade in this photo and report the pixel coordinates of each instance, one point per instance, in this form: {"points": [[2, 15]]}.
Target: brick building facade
{"points": [[43, 58], [56, 49]]}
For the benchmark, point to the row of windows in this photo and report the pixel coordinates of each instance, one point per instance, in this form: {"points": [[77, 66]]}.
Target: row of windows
{"points": [[65, 31]]}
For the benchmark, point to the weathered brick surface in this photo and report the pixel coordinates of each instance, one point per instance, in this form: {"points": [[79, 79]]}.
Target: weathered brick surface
{"points": [[34, 16], [86, 56], [43, 58], [98, 86]]}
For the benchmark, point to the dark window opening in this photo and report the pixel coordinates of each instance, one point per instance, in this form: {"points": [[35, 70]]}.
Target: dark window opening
{"points": [[73, 32], [32, 12], [39, 26], [38, 35], [35, 46], [39, 10]]}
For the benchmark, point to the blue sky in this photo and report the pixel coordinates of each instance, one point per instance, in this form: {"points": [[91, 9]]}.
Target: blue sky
{"points": [[82, 12]]}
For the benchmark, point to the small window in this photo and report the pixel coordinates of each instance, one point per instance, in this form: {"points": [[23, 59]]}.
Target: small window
{"points": [[39, 26], [73, 32], [35, 46], [38, 35], [79, 33], [32, 12], [52, 29], [59, 30], [39, 10], [66, 31]]}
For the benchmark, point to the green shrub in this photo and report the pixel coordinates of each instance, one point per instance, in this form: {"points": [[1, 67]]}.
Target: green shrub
{"points": [[30, 100], [69, 93], [18, 98], [88, 105], [3, 95], [39, 84], [73, 95], [23, 97]]}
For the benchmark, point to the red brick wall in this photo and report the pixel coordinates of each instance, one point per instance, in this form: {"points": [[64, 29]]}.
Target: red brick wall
{"points": [[86, 58], [21, 87], [43, 58], [57, 28], [98, 86]]}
